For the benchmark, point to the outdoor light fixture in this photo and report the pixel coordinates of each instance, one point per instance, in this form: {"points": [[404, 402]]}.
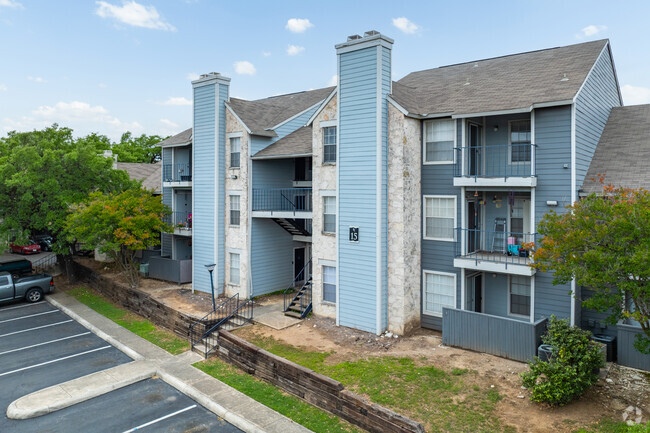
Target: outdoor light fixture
{"points": [[233, 176], [210, 268], [551, 203]]}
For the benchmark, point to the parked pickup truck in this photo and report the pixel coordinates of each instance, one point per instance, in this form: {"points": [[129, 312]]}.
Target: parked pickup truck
{"points": [[30, 288]]}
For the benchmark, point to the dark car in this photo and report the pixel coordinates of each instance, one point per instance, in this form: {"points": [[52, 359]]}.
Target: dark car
{"points": [[44, 241], [15, 266], [25, 249]]}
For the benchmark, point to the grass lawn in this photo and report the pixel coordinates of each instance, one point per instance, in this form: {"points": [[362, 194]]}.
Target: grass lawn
{"points": [[440, 400], [271, 396], [162, 338], [609, 426]]}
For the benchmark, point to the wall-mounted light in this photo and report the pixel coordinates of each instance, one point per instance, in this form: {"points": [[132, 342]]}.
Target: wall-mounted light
{"points": [[551, 203], [496, 128], [233, 176]]}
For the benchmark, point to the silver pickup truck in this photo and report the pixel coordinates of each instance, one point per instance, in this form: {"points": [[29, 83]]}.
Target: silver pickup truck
{"points": [[31, 288]]}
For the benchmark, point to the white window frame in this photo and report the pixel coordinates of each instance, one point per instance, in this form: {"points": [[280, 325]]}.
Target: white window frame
{"points": [[332, 197], [530, 296], [232, 153], [510, 161], [336, 144], [424, 290], [230, 269], [424, 141], [230, 195], [323, 284], [424, 218]]}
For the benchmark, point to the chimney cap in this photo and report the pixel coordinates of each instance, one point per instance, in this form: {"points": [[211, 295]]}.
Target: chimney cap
{"points": [[354, 37], [370, 33]]}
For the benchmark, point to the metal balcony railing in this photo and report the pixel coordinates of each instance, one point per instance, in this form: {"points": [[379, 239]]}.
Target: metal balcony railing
{"points": [[180, 220], [282, 199], [177, 173], [508, 160], [494, 246]]}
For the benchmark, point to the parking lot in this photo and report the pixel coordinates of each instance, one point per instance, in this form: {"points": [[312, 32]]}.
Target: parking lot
{"points": [[41, 346]]}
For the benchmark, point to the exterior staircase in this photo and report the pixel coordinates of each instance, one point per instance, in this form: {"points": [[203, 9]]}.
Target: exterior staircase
{"points": [[295, 227], [297, 298]]}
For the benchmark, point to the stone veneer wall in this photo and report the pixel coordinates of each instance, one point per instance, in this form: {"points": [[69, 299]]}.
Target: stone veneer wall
{"points": [[323, 245], [237, 237], [404, 221]]}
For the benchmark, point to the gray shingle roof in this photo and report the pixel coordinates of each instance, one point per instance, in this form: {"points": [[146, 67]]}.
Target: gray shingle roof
{"points": [[263, 114], [180, 138], [296, 143], [623, 150], [149, 174], [503, 83]]}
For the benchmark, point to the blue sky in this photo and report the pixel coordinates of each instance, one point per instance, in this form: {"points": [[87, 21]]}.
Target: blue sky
{"points": [[111, 66]]}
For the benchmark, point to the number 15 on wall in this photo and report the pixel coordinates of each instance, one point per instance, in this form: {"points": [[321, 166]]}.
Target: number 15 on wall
{"points": [[354, 234]]}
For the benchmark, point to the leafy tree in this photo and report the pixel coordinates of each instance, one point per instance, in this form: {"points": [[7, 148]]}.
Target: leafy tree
{"points": [[119, 224], [604, 243], [138, 149], [42, 173]]}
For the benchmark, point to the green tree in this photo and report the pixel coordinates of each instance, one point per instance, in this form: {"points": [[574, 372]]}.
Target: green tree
{"points": [[144, 148], [604, 243], [42, 173], [119, 224]]}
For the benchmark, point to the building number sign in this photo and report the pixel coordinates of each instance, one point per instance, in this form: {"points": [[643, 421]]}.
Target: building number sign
{"points": [[354, 234]]}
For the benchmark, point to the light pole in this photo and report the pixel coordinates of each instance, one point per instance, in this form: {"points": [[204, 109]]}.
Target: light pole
{"points": [[210, 268]]}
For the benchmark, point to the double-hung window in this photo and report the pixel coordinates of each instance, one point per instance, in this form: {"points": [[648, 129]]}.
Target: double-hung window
{"points": [[519, 296], [439, 292], [329, 284], [439, 217], [439, 141], [329, 214], [234, 268], [329, 144], [520, 138], [235, 151], [234, 210]]}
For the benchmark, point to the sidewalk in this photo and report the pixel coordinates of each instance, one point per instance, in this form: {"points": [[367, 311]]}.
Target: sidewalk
{"points": [[149, 361]]}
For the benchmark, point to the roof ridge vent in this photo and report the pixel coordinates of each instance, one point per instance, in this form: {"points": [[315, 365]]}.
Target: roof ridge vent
{"points": [[565, 78], [354, 37]]}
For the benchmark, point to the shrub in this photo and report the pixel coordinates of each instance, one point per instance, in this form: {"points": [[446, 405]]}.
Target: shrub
{"points": [[572, 368]]}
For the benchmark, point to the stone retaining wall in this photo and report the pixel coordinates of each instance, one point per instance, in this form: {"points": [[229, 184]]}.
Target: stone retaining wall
{"points": [[319, 390], [136, 301]]}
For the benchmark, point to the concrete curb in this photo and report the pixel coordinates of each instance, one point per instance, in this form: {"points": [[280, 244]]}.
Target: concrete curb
{"points": [[101, 334], [78, 390]]}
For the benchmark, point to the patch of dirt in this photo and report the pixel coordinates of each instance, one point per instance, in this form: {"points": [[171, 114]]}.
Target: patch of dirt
{"points": [[627, 387]]}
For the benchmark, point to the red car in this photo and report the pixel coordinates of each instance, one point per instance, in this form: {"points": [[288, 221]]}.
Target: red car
{"points": [[25, 249]]}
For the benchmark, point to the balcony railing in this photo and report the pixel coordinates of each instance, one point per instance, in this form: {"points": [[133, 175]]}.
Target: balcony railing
{"points": [[494, 246], [282, 199], [509, 160], [177, 173], [180, 220]]}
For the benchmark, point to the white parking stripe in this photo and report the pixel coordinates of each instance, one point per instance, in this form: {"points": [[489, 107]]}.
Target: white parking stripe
{"points": [[22, 306], [54, 360], [43, 344], [38, 327], [25, 317], [160, 419]]}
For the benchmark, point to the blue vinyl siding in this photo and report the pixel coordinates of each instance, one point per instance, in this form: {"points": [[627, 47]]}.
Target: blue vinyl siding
{"points": [[208, 184], [594, 321], [358, 188], [258, 143], [593, 104], [437, 255], [495, 294], [271, 256], [553, 139], [385, 91], [293, 124], [273, 173]]}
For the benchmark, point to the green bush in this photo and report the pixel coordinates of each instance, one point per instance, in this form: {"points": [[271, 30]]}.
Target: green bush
{"points": [[572, 368]]}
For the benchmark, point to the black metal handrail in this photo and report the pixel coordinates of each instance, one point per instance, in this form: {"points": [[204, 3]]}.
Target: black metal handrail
{"points": [[177, 172], [44, 263], [495, 246], [291, 291], [282, 199], [244, 313]]}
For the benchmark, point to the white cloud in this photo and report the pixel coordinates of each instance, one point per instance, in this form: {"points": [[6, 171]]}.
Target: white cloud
{"points": [[82, 117], [36, 79], [592, 30], [244, 68], [405, 25], [192, 76], [333, 81], [266, 54], [177, 100], [294, 50], [169, 123], [3, 88], [298, 25], [11, 4], [134, 14], [633, 95]]}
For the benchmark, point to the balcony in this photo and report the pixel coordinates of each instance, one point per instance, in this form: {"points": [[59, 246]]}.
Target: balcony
{"points": [[509, 165], [181, 221], [494, 251], [293, 203], [177, 175]]}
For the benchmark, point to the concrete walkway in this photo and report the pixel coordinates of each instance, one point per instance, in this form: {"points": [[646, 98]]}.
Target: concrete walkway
{"points": [[271, 315], [150, 360]]}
